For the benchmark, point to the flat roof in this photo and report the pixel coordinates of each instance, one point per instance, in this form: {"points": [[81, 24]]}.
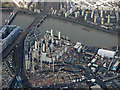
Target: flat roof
{"points": [[106, 53]]}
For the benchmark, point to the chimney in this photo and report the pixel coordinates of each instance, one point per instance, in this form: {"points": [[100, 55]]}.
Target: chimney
{"points": [[58, 35], [43, 47], [52, 32], [35, 45]]}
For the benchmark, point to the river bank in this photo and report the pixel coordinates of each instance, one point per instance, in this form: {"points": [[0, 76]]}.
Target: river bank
{"points": [[85, 24]]}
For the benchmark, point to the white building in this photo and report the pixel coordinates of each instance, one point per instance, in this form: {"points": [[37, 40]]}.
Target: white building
{"points": [[78, 44], [106, 53]]}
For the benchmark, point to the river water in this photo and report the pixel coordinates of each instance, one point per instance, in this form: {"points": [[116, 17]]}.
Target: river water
{"points": [[73, 31]]}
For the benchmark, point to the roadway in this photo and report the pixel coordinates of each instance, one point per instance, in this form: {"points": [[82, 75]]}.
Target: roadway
{"points": [[19, 65]]}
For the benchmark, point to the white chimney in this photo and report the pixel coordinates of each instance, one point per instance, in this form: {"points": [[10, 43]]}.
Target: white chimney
{"points": [[43, 47], [52, 32], [58, 35], [35, 44]]}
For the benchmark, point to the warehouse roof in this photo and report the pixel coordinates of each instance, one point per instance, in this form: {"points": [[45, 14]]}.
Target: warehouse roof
{"points": [[106, 53]]}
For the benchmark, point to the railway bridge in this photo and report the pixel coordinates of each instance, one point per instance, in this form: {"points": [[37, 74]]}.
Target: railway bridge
{"points": [[11, 17]]}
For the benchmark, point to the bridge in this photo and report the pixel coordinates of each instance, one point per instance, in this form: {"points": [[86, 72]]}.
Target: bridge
{"points": [[22, 35], [18, 46], [11, 17]]}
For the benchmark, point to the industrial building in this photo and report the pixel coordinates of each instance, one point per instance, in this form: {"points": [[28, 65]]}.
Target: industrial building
{"points": [[48, 49], [54, 56], [7, 35], [106, 53]]}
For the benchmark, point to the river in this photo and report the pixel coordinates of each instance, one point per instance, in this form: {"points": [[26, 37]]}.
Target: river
{"points": [[73, 31]]}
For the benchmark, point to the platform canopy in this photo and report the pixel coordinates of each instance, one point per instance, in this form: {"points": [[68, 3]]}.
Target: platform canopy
{"points": [[106, 53]]}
